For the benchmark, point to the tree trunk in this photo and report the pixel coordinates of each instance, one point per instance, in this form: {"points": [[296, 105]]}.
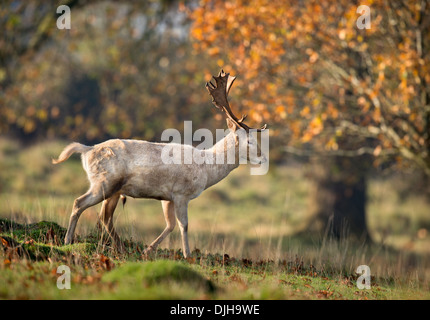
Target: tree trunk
{"points": [[339, 197]]}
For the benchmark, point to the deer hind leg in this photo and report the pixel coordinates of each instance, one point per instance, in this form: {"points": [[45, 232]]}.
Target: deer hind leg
{"points": [[89, 199], [181, 211], [169, 216], [106, 219]]}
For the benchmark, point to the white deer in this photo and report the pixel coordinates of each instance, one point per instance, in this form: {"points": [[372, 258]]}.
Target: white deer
{"points": [[135, 168]]}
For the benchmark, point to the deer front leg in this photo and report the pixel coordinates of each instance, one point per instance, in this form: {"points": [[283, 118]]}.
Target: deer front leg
{"points": [[181, 211], [169, 216]]}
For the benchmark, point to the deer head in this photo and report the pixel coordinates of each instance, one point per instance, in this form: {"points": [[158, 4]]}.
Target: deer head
{"points": [[219, 92]]}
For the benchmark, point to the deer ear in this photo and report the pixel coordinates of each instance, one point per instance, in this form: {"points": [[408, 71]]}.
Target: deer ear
{"points": [[231, 125]]}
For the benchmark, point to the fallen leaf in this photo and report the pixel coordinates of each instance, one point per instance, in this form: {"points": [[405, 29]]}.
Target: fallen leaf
{"points": [[105, 262], [4, 242], [191, 260]]}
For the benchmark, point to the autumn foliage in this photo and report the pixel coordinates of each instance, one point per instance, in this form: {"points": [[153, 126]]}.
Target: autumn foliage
{"points": [[323, 82]]}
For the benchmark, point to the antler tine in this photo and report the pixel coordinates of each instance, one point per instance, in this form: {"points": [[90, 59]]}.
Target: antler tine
{"points": [[243, 117], [247, 128], [219, 92]]}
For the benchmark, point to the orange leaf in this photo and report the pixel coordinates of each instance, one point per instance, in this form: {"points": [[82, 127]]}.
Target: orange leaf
{"points": [[4, 242]]}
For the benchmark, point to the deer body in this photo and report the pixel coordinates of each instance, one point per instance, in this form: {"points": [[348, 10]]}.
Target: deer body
{"points": [[136, 168]]}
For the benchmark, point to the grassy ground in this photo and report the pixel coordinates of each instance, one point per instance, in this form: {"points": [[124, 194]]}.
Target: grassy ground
{"points": [[243, 232], [32, 253]]}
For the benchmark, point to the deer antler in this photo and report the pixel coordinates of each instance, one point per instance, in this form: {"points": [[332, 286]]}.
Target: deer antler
{"points": [[219, 92]]}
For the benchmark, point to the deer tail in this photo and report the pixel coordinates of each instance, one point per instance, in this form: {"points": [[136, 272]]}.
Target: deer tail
{"points": [[71, 149]]}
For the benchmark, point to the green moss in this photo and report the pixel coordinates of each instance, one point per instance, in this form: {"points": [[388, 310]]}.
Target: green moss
{"points": [[38, 241], [163, 274], [83, 248], [43, 231]]}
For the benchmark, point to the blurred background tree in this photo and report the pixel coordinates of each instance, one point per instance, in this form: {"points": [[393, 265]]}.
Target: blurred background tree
{"points": [[124, 69], [330, 88]]}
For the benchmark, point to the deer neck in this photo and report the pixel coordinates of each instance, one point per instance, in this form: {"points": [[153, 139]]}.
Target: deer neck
{"points": [[226, 158]]}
